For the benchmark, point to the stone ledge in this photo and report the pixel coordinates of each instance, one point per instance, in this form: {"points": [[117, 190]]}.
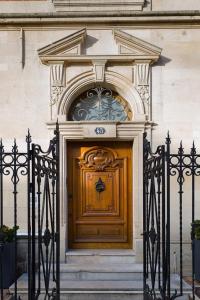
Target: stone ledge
{"points": [[98, 5], [189, 13], [121, 17]]}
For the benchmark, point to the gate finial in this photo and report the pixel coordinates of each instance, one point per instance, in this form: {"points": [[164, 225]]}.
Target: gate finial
{"points": [[193, 149], [28, 137], [168, 138]]}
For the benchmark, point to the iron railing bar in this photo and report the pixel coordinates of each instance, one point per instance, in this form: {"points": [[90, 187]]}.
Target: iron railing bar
{"points": [[33, 267], [181, 179], [144, 222], [39, 227], [163, 224], [46, 228], [50, 206], [193, 153], [14, 180], [57, 211], [29, 186], [168, 226], [53, 228], [158, 229], [50, 259]]}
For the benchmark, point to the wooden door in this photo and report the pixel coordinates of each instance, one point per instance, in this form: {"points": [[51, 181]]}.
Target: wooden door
{"points": [[99, 195]]}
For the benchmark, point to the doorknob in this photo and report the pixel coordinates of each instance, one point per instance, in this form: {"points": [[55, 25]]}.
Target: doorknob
{"points": [[100, 185]]}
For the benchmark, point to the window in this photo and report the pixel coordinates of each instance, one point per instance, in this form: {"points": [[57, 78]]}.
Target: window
{"points": [[100, 104]]}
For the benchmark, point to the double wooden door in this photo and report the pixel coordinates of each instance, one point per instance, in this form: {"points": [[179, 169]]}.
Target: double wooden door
{"points": [[99, 195]]}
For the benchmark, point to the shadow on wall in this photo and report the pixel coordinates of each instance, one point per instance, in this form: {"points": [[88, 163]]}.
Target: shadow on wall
{"points": [[89, 43], [163, 60]]}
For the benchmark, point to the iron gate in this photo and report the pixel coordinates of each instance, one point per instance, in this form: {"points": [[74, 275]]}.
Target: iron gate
{"points": [[34, 178], [161, 252]]}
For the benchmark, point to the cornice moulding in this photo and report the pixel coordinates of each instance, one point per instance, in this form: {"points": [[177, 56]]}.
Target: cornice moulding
{"points": [[71, 125], [100, 5], [89, 58], [165, 19]]}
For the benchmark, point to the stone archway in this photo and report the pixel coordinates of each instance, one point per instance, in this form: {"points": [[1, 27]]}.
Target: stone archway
{"points": [[113, 80]]}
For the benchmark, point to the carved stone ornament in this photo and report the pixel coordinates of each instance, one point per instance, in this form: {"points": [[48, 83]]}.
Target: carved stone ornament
{"points": [[98, 159], [143, 90], [57, 81], [56, 91]]}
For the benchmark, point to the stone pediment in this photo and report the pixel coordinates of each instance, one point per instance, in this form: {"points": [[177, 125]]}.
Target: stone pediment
{"points": [[128, 44], [69, 45], [69, 49]]}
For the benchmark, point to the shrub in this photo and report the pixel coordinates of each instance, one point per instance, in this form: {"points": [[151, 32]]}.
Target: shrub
{"points": [[196, 226], [8, 233]]}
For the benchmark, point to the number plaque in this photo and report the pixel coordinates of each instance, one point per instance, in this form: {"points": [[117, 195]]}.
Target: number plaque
{"points": [[100, 130]]}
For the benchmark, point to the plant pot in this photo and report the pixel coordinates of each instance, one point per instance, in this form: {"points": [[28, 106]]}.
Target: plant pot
{"points": [[7, 265], [197, 259]]}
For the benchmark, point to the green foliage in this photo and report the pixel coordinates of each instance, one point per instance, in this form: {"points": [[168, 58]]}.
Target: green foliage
{"points": [[8, 233], [196, 226]]}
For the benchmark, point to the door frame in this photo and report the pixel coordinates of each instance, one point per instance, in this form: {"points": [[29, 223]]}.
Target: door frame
{"points": [[121, 169], [125, 131]]}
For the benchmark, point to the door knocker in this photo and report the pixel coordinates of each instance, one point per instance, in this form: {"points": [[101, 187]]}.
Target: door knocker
{"points": [[100, 185]]}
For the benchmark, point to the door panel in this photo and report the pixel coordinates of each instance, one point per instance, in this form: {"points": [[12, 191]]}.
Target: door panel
{"points": [[99, 189]]}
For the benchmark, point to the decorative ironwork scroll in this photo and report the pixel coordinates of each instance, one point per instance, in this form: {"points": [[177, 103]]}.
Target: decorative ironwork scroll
{"points": [[100, 104], [154, 223], [160, 168], [32, 175], [14, 169], [45, 205]]}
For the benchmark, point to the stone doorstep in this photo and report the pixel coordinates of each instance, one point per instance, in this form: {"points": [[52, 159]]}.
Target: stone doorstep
{"points": [[103, 285], [100, 256], [101, 272], [101, 252], [102, 268]]}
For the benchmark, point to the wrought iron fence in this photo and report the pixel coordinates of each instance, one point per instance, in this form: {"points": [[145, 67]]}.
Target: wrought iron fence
{"points": [[170, 200], [32, 203]]}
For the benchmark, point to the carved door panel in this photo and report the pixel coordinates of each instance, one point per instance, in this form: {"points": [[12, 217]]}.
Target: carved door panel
{"points": [[99, 194]]}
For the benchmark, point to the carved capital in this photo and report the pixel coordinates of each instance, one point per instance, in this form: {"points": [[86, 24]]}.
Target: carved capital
{"points": [[142, 83], [142, 73], [57, 81]]}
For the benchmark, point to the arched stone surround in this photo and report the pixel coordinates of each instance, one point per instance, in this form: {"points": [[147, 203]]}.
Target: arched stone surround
{"points": [[113, 80]]}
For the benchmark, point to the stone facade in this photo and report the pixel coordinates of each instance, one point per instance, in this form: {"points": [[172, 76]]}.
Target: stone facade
{"points": [[147, 52]]}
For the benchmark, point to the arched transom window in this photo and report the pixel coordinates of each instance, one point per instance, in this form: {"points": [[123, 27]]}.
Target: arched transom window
{"points": [[100, 104]]}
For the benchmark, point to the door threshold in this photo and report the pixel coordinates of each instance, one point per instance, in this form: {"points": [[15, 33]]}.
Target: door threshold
{"points": [[101, 252]]}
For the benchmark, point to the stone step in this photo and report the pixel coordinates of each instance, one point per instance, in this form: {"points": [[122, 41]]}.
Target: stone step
{"points": [[119, 295], [101, 271], [100, 289], [100, 256]]}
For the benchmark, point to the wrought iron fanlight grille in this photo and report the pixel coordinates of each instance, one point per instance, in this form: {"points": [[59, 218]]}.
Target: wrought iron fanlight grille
{"points": [[100, 104]]}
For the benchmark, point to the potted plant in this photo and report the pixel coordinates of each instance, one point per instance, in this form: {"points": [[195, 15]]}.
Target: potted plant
{"points": [[196, 241], [7, 255]]}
